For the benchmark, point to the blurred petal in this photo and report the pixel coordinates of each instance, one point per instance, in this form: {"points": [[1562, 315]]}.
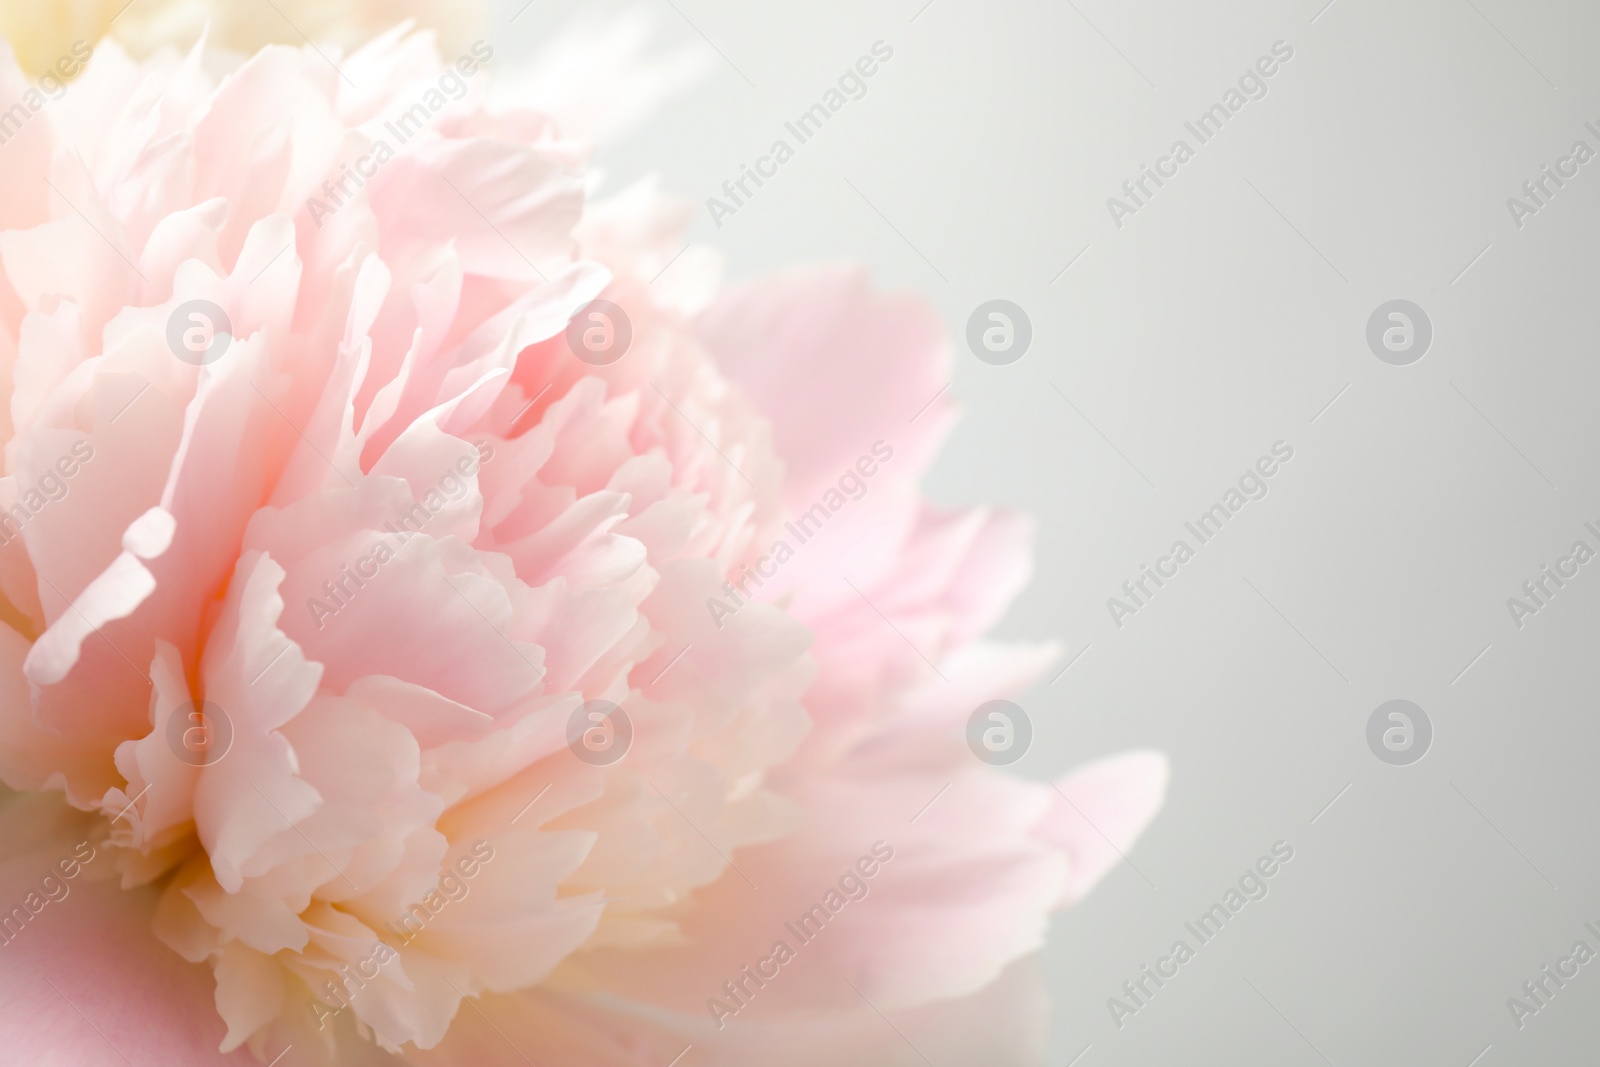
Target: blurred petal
{"points": [[1099, 810]]}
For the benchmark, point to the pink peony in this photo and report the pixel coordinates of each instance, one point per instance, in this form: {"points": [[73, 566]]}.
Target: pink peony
{"points": [[328, 561]]}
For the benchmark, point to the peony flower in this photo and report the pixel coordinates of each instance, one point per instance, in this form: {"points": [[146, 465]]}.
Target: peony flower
{"points": [[400, 662]]}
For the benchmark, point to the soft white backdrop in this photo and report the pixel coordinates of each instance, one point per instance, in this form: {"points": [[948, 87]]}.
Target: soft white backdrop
{"points": [[1220, 319]]}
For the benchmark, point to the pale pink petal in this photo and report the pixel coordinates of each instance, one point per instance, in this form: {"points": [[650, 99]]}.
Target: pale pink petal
{"points": [[83, 981], [836, 366], [1099, 810]]}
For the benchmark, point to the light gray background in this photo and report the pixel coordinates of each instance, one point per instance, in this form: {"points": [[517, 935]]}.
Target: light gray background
{"points": [[1222, 318]]}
